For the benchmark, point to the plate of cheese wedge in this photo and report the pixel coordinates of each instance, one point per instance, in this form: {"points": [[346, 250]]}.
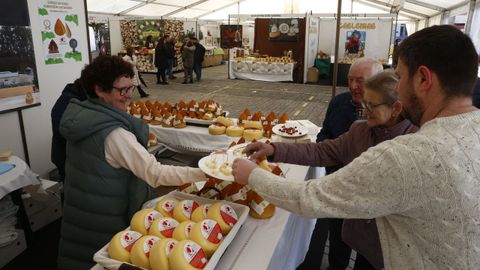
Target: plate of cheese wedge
{"points": [[218, 165]]}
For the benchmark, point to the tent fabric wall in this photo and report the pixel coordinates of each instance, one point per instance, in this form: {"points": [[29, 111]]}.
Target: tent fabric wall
{"points": [[276, 48], [475, 28]]}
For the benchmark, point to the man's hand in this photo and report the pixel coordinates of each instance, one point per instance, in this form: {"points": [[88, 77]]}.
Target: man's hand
{"points": [[241, 169], [259, 150]]}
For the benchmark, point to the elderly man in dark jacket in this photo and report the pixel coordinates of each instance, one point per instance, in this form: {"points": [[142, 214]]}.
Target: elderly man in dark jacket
{"points": [[188, 54], [198, 59]]}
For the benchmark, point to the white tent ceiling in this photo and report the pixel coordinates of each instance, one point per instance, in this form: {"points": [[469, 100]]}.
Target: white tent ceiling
{"points": [[219, 9]]}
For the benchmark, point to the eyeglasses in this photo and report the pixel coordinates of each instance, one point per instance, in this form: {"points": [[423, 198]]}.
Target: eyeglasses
{"points": [[125, 90], [369, 106]]}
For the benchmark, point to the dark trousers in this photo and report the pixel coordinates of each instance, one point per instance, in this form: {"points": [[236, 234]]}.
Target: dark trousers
{"points": [[188, 74], [170, 63], [197, 68], [338, 252], [313, 258], [161, 75], [141, 92]]}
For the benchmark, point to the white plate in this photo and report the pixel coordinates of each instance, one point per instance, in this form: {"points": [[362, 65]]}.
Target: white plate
{"points": [[300, 130], [218, 159], [283, 28], [237, 150]]}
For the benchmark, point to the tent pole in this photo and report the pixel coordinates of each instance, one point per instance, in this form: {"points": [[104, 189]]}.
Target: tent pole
{"points": [[471, 10], [337, 37]]}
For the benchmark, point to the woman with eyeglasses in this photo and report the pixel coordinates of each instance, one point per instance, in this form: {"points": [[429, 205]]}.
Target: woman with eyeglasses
{"points": [[109, 173], [384, 122]]}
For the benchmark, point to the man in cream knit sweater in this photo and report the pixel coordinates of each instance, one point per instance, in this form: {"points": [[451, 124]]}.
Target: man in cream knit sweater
{"points": [[423, 188]]}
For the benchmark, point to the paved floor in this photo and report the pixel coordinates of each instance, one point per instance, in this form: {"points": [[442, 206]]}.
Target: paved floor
{"points": [[300, 101]]}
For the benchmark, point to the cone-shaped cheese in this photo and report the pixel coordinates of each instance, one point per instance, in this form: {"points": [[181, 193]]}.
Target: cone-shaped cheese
{"points": [[121, 245], [187, 255], [179, 121], [143, 219], [200, 213], [182, 231], [163, 227], [283, 119], [260, 208], [208, 235], [160, 252], [257, 116], [224, 215], [183, 210], [141, 251], [166, 205]]}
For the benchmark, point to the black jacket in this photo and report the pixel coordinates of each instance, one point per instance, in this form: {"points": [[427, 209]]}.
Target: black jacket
{"points": [[71, 90], [161, 56], [199, 53], [476, 94]]}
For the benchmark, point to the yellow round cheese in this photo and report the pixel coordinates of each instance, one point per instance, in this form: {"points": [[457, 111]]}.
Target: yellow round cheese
{"points": [[121, 244], [166, 205], [224, 215], [251, 134], [216, 130], [182, 231], [187, 255], [208, 235], [200, 213], [163, 227], [224, 121], [160, 252], [184, 209], [141, 251], [234, 131], [143, 219], [252, 124]]}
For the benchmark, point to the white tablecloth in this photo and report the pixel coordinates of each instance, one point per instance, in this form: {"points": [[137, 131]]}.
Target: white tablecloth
{"points": [[197, 140], [18, 177], [261, 71]]}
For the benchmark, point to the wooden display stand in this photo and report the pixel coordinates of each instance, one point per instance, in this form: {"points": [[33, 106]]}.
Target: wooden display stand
{"points": [[15, 91], [212, 60]]}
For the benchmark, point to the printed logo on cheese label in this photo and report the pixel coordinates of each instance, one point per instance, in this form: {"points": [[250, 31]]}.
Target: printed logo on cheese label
{"points": [[150, 218], [148, 244], [169, 246], [129, 238], [188, 206], [194, 255], [228, 215], [168, 205], [205, 209], [259, 208], [241, 195], [211, 231], [166, 226], [188, 229]]}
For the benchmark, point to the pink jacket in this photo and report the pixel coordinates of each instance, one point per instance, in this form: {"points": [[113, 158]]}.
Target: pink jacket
{"points": [[341, 151]]}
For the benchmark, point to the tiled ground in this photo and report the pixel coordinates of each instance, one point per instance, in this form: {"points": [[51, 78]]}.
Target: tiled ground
{"points": [[300, 101]]}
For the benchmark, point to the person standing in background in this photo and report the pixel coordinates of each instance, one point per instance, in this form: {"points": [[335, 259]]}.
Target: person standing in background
{"points": [[198, 59], [170, 47], [188, 54], [132, 59], [161, 61]]}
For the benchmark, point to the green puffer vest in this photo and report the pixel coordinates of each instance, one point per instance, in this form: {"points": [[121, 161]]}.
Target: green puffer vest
{"points": [[99, 199]]}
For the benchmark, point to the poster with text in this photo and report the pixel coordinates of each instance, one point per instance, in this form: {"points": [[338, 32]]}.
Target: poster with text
{"points": [[18, 71], [60, 32], [283, 29], [231, 36]]}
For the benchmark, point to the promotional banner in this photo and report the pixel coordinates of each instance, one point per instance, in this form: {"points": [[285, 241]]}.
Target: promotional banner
{"points": [[283, 29], [231, 36], [60, 34], [368, 37]]}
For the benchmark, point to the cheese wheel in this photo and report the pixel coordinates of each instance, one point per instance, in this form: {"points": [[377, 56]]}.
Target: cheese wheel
{"points": [[252, 124], [208, 235], [160, 252], [260, 208], [216, 130], [163, 227], [141, 251], [224, 215], [184, 209], [252, 134], [234, 131], [187, 255], [182, 231], [121, 244], [224, 121], [166, 205], [200, 213], [143, 219]]}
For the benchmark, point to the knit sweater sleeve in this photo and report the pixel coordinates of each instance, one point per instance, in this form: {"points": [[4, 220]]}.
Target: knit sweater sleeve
{"points": [[373, 185], [123, 150]]}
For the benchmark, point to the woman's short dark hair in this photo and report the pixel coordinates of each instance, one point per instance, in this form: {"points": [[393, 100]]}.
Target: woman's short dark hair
{"points": [[446, 51], [104, 71]]}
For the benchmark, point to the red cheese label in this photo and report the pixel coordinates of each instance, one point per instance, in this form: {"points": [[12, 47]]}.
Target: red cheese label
{"points": [[168, 206], [166, 226], [194, 255], [205, 209], [148, 244], [150, 217], [188, 229], [211, 231], [228, 215], [188, 206], [169, 246], [129, 238]]}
